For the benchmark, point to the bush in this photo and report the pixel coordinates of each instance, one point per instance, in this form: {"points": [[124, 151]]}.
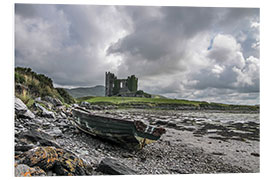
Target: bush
{"points": [[19, 78], [66, 97]]}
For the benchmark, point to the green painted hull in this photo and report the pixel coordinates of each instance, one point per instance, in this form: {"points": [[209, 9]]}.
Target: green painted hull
{"points": [[133, 134]]}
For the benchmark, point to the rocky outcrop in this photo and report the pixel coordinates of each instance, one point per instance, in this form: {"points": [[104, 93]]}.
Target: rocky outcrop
{"points": [[48, 158], [21, 109], [69, 164], [113, 167], [44, 111], [54, 101], [35, 137]]}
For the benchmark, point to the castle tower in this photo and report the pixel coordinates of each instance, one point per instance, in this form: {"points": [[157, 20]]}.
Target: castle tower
{"points": [[109, 83]]}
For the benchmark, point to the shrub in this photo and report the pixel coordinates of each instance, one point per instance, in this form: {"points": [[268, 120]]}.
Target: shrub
{"points": [[19, 78], [66, 97]]}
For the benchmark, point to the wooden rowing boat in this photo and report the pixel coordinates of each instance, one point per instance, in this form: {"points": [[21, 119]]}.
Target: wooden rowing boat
{"points": [[130, 133]]}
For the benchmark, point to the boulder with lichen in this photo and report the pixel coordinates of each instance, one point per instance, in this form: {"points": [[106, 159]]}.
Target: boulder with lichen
{"points": [[57, 160]]}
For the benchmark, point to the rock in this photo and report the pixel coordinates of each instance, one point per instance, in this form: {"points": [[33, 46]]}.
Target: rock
{"points": [[23, 170], [113, 167], [23, 148], [95, 107], [55, 132], [69, 164], [85, 104], [255, 154], [63, 115], [44, 157], [127, 155], [47, 104], [54, 101], [45, 112], [218, 153], [56, 160], [38, 137], [21, 109]]}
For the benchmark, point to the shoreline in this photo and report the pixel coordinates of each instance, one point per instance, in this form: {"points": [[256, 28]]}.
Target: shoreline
{"points": [[186, 147]]}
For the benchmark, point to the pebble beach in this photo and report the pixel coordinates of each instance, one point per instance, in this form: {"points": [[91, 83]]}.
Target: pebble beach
{"points": [[194, 143]]}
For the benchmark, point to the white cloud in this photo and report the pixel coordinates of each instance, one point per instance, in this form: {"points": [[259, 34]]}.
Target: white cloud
{"points": [[249, 75], [226, 51]]}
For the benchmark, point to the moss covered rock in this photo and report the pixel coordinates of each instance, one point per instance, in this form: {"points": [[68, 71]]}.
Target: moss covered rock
{"points": [[49, 158]]}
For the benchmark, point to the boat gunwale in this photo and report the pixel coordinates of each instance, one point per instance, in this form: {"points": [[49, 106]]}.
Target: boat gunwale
{"points": [[100, 116]]}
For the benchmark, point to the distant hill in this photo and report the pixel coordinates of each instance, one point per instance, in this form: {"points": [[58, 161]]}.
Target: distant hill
{"points": [[98, 90]]}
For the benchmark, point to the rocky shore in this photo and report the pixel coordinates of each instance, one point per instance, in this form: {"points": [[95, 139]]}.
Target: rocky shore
{"points": [[47, 144]]}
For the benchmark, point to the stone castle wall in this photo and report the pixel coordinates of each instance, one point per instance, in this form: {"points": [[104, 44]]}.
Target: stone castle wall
{"points": [[119, 87]]}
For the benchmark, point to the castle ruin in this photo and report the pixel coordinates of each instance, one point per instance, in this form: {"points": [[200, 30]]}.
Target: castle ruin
{"points": [[120, 87]]}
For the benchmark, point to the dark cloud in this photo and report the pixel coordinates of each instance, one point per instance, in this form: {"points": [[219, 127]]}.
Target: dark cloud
{"points": [[166, 47], [26, 10]]}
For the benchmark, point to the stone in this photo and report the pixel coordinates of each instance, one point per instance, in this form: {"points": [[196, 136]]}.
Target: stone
{"points": [[22, 170], [37, 136], [95, 107], [85, 104], [69, 164], [218, 153], [54, 101], [55, 132], [23, 148], [44, 157], [54, 160], [63, 115], [21, 109], [255, 154], [45, 112], [113, 167]]}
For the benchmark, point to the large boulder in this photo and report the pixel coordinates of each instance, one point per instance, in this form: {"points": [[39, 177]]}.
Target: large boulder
{"points": [[43, 157], [68, 164], [21, 109], [113, 167], [57, 160], [54, 101], [37, 137], [44, 111], [46, 103]]}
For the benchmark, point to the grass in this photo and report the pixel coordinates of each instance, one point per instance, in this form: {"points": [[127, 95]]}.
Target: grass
{"points": [[136, 100], [38, 85], [155, 102], [26, 99]]}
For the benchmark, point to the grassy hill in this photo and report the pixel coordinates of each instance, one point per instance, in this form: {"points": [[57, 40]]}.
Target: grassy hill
{"points": [[29, 85], [87, 91]]}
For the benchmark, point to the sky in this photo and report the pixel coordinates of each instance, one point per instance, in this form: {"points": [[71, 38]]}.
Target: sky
{"points": [[195, 53]]}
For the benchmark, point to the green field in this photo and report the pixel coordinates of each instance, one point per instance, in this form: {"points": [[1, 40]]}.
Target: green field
{"points": [[158, 102], [137, 100]]}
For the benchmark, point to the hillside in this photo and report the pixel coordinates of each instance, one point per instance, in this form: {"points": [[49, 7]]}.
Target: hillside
{"points": [[30, 85], [98, 90]]}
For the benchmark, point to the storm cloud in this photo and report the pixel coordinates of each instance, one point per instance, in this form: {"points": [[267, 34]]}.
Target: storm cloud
{"points": [[196, 53]]}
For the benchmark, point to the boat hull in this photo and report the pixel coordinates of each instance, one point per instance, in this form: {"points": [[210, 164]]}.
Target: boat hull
{"points": [[132, 134]]}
